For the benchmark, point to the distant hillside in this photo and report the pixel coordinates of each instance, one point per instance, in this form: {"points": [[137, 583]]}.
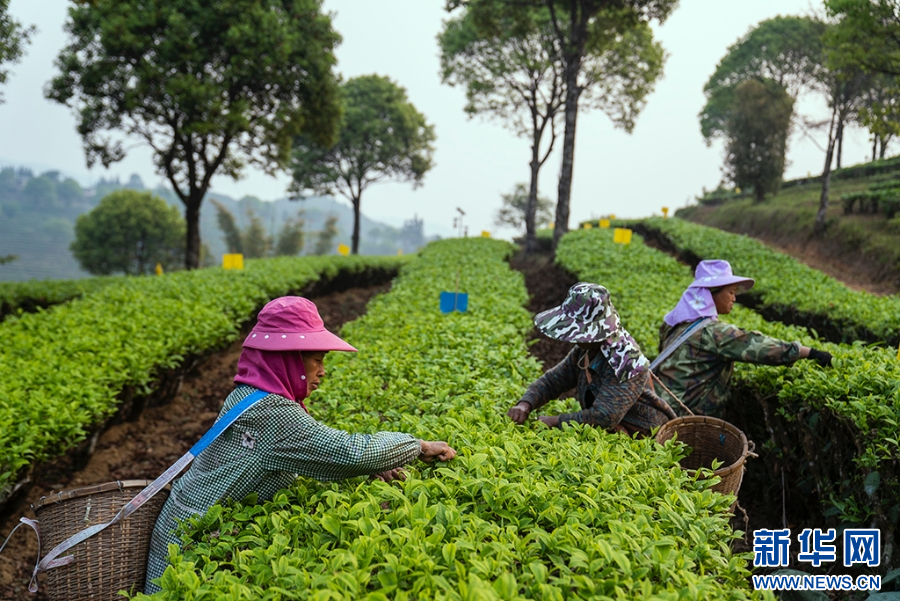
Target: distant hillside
{"points": [[862, 237], [38, 213]]}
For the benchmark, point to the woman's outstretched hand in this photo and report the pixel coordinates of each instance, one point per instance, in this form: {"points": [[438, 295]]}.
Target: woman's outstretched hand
{"points": [[519, 412], [549, 420], [390, 475], [439, 450]]}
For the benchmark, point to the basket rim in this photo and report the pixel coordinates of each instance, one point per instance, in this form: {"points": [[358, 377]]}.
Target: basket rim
{"points": [[84, 491], [725, 470]]}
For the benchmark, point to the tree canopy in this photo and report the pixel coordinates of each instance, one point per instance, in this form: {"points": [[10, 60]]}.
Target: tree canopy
{"points": [[758, 127], [585, 28], [867, 34], [382, 137], [210, 86], [129, 232], [786, 50], [13, 38]]}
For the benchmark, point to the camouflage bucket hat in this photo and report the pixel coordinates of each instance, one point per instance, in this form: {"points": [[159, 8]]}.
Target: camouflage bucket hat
{"points": [[587, 315]]}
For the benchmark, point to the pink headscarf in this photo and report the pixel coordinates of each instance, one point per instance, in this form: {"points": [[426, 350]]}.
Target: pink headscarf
{"points": [[276, 372]]}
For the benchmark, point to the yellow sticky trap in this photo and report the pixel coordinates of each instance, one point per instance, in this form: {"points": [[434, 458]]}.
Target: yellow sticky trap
{"points": [[665, 211], [604, 223], [233, 261], [588, 226], [612, 215], [622, 235], [399, 252], [551, 225], [159, 269], [737, 190], [485, 234], [343, 249]]}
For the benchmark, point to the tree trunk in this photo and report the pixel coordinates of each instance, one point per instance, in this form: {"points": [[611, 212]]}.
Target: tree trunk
{"points": [[874, 146], [531, 207], [760, 193], [840, 142], [819, 227], [192, 216], [883, 147], [355, 240], [564, 191]]}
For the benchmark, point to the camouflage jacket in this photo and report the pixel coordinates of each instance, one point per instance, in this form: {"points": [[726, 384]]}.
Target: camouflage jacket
{"points": [[699, 371], [605, 401]]}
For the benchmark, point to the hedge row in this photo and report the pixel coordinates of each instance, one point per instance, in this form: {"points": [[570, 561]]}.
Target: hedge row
{"points": [[64, 368], [524, 512], [834, 431], [40, 294], [785, 288]]}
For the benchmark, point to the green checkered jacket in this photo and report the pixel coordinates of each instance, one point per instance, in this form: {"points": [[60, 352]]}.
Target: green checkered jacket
{"points": [[699, 371], [264, 451]]}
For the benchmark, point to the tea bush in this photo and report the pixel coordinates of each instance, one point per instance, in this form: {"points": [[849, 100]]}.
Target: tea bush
{"points": [[524, 512], [34, 294], [64, 368], [787, 289]]}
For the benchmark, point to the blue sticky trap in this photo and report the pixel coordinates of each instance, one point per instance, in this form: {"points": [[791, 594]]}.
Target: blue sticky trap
{"points": [[454, 301]]}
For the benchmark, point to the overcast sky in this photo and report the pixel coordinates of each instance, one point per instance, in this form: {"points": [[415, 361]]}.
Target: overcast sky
{"points": [[664, 162]]}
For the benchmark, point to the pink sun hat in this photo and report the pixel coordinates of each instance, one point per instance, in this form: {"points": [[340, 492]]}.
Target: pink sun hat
{"points": [[292, 323], [717, 273]]}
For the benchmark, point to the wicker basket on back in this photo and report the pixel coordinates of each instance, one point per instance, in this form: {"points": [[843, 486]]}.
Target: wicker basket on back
{"points": [[111, 561], [711, 439]]}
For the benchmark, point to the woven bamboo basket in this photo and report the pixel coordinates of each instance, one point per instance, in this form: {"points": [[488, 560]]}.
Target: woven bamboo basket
{"points": [[111, 561], [711, 439]]}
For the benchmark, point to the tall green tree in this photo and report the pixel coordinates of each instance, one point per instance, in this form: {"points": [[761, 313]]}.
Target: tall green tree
{"points": [[382, 137], [758, 128], [584, 28], [880, 112], [229, 228], [325, 237], [513, 75], [209, 86], [786, 50], [13, 38], [290, 238], [129, 232]]}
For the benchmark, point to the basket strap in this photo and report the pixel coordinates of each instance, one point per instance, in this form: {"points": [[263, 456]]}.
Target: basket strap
{"points": [[697, 325], [50, 561]]}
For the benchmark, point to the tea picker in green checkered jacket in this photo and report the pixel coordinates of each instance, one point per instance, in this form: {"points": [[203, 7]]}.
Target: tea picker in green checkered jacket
{"points": [[610, 374], [276, 439], [699, 368]]}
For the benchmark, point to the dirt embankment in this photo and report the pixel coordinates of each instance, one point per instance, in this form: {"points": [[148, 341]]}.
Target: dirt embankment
{"points": [[145, 447]]}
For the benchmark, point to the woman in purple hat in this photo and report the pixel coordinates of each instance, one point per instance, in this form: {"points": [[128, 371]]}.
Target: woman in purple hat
{"points": [[610, 374], [697, 352], [276, 439]]}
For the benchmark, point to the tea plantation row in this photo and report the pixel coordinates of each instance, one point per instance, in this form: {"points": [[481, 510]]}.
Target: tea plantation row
{"points": [[31, 295], [787, 289], [834, 430], [64, 368], [524, 512]]}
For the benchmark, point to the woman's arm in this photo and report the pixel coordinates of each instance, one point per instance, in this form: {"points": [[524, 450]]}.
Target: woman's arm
{"points": [[312, 449], [611, 402], [557, 380]]}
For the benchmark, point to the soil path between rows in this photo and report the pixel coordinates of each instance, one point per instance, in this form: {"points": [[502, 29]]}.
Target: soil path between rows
{"points": [[143, 449]]}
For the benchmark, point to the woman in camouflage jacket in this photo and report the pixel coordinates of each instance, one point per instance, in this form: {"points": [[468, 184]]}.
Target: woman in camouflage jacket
{"points": [[699, 369], [607, 369]]}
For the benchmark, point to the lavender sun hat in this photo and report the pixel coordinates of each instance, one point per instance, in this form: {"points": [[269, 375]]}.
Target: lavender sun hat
{"points": [[697, 300], [588, 316], [717, 273], [292, 323]]}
